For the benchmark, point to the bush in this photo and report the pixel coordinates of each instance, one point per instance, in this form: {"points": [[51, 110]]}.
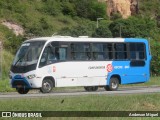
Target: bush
{"points": [[90, 9], [12, 43], [84, 28], [6, 63], [40, 28], [14, 6], [116, 16], [102, 32], [65, 19], [68, 8], [51, 7], [155, 64], [132, 27]]}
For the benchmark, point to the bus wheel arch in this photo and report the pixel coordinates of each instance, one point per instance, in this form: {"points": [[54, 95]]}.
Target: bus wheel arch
{"points": [[47, 84], [118, 77], [114, 82]]}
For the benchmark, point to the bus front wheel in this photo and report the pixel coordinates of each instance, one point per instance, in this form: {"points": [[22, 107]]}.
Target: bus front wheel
{"points": [[47, 86], [22, 90], [113, 84]]}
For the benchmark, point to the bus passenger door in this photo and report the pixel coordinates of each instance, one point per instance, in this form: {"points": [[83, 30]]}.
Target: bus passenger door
{"points": [[53, 64]]}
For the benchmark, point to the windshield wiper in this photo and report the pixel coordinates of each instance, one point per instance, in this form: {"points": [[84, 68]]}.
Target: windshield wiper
{"points": [[19, 59], [22, 56]]}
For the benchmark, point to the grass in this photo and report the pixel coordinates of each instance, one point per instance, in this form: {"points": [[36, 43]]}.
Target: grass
{"points": [[6, 63], [154, 81], [5, 86], [140, 102], [145, 102]]}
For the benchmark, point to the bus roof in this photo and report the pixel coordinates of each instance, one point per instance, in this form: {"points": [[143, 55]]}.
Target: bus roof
{"points": [[85, 39]]}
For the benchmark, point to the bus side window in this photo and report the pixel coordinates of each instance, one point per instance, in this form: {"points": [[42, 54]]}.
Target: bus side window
{"points": [[51, 56], [97, 49], [62, 53], [120, 51], [141, 50], [132, 50], [108, 52], [48, 57], [102, 51], [137, 51], [80, 51], [58, 55], [43, 59]]}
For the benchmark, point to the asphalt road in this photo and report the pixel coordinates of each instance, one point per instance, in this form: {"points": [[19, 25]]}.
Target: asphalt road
{"points": [[74, 92]]}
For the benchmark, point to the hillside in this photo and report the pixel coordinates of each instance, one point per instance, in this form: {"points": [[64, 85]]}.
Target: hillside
{"points": [[78, 17]]}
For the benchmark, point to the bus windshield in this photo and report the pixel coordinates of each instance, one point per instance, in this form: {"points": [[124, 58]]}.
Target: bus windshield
{"points": [[28, 53]]}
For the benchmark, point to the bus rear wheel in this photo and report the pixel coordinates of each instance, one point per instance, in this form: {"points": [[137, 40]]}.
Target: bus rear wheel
{"points": [[91, 88], [47, 86], [22, 90], [113, 84]]}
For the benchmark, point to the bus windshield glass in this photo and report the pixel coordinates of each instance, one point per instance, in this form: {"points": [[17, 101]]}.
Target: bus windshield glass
{"points": [[28, 53]]}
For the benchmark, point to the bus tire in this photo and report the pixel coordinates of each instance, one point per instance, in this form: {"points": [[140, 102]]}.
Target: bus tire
{"points": [[91, 88], [113, 84], [22, 90], [47, 86]]}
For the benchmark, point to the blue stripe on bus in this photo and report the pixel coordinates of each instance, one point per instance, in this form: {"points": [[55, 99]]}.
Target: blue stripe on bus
{"points": [[135, 40], [131, 74], [128, 74]]}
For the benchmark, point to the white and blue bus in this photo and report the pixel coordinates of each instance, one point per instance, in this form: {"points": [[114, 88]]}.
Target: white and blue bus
{"points": [[48, 62]]}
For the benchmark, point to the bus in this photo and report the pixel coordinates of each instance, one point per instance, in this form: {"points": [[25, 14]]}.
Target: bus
{"points": [[63, 61]]}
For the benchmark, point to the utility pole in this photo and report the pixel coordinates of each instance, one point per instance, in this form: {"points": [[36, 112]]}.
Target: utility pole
{"points": [[120, 31], [98, 21]]}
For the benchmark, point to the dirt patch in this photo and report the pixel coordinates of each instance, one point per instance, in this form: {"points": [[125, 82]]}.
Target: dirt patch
{"points": [[17, 29], [148, 106]]}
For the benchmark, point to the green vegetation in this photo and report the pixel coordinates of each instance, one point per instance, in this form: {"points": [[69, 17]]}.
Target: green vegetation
{"points": [[6, 64], [133, 27], [75, 18], [154, 81], [5, 86], [146, 102]]}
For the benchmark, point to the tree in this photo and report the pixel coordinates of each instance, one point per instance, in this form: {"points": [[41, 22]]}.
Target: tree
{"points": [[155, 63], [102, 32], [132, 27], [91, 9]]}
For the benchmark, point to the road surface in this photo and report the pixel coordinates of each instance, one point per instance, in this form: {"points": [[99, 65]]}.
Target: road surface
{"points": [[77, 92]]}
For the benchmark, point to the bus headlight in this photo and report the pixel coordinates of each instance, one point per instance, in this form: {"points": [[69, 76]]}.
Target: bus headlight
{"points": [[31, 76]]}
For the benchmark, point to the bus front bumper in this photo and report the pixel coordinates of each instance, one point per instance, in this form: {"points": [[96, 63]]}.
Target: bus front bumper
{"points": [[22, 82]]}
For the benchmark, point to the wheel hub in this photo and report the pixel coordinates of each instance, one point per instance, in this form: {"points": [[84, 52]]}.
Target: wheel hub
{"points": [[114, 85], [47, 86]]}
